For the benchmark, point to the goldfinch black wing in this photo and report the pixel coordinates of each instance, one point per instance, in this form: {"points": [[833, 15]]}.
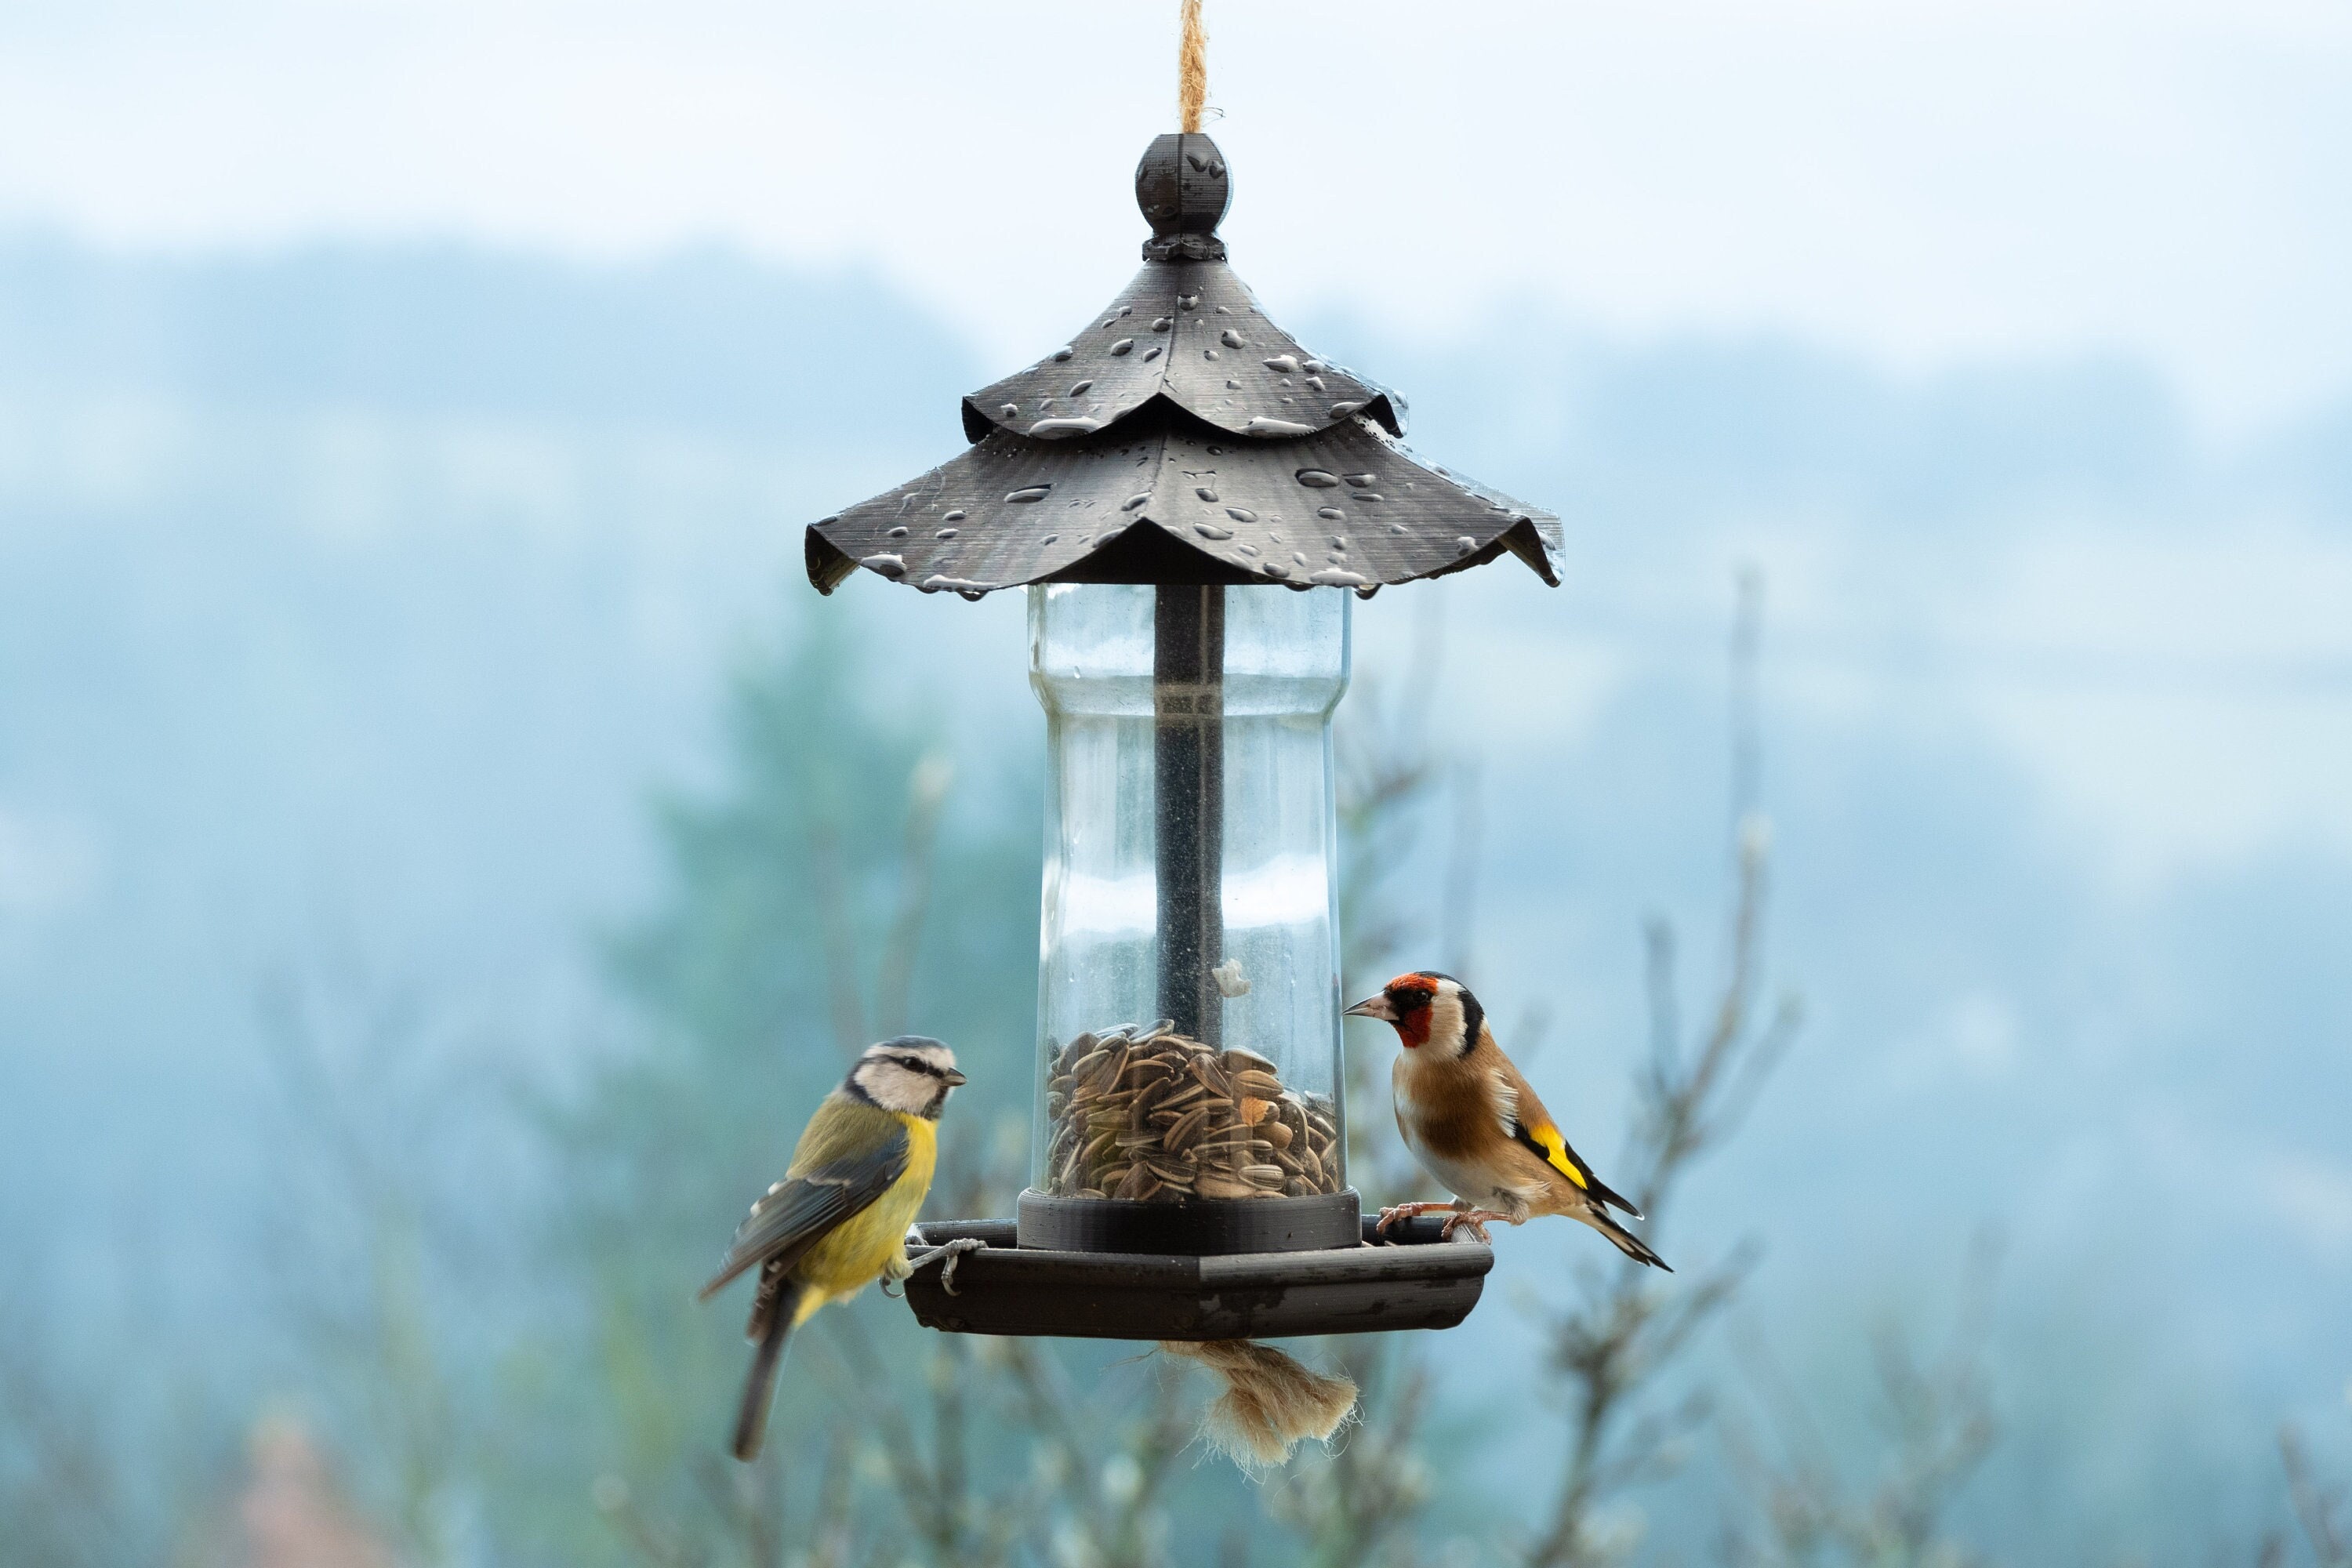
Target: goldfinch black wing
{"points": [[1532, 1126], [796, 1213]]}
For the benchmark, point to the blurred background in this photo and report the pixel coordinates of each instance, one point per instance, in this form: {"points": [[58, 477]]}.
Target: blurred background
{"points": [[445, 846]]}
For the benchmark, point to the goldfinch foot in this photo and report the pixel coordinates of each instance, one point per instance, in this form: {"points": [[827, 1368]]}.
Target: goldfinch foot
{"points": [[1389, 1216], [1476, 1220]]}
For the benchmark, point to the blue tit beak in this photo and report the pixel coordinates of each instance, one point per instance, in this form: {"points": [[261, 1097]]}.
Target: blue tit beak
{"points": [[1374, 1006], [953, 1079]]}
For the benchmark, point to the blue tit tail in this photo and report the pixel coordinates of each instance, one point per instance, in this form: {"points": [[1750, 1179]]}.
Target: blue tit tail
{"points": [[1631, 1245], [777, 1307]]}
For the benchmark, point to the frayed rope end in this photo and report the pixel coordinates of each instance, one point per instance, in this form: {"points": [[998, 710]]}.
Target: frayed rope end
{"points": [[1271, 1404]]}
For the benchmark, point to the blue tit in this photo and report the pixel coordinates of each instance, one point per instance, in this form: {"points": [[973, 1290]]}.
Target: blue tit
{"points": [[838, 1220], [1477, 1125]]}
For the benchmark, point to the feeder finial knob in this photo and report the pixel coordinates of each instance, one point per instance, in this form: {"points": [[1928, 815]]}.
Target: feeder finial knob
{"points": [[1183, 188]]}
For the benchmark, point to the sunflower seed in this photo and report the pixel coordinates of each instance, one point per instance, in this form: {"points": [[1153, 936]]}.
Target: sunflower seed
{"points": [[1152, 1115]]}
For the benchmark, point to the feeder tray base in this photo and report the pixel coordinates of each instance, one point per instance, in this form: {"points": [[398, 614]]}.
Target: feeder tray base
{"points": [[1414, 1282]]}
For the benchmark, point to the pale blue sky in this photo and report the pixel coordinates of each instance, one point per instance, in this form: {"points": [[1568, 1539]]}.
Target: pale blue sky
{"points": [[1923, 181]]}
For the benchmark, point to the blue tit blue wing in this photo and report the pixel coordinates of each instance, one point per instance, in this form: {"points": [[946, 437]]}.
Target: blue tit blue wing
{"points": [[797, 1213]]}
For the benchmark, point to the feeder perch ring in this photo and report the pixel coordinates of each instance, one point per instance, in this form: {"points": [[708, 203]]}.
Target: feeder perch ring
{"points": [[1415, 1281]]}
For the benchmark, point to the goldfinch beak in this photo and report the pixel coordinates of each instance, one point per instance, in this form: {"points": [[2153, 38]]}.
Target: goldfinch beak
{"points": [[1374, 1006], [953, 1079]]}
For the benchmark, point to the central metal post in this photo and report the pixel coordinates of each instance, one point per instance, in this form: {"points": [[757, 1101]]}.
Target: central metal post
{"points": [[1188, 702]]}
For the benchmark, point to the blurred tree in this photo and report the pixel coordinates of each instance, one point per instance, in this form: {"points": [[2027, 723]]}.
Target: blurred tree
{"points": [[1935, 1426], [2318, 1509], [829, 891], [1613, 1342]]}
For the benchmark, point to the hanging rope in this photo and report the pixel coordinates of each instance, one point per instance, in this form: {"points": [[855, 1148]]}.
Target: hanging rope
{"points": [[1191, 70], [1271, 1403]]}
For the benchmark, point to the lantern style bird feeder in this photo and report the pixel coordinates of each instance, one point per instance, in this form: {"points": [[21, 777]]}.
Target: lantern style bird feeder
{"points": [[1192, 499]]}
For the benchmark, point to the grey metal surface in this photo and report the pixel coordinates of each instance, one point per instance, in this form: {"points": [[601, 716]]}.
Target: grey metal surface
{"points": [[1187, 784], [1004, 1288], [1164, 498], [1180, 438], [1184, 187], [1193, 333]]}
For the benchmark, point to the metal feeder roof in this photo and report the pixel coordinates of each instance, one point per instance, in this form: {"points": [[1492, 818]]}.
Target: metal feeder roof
{"points": [[1181, 438]]}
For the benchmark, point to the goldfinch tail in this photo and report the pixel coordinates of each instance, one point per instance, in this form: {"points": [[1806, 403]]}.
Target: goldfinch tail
{"points": [[1631, 1245], [760, 1382]]}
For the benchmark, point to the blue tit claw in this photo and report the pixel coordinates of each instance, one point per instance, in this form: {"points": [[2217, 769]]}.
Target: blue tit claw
{"points": [[947, 1255]]}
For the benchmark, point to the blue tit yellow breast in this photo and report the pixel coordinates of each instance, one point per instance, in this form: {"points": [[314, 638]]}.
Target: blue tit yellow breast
{"points": [[856, 1251]]}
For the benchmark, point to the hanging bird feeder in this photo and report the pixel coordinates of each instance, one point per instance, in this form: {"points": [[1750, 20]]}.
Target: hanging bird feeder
{"points": [[1193, 498]]}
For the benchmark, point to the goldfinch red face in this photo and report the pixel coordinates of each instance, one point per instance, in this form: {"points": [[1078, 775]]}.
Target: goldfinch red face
{"points": [[1424, 1006]]}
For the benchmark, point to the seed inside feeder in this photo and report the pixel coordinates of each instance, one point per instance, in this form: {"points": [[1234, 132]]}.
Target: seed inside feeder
{"points": [[1154, 1116]]}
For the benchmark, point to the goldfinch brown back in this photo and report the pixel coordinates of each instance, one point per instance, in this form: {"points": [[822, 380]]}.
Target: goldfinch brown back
{"points": [[1474, 1122]]}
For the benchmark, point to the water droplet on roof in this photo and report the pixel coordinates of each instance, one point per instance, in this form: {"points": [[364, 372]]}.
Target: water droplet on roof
{"points": [[1053, 430], [1246, 549], [1283, 363], [1339, 541], [888, 566], [1081, 389], [1318, 478], [1152, 353], [898, 534], [1361, 480], [1208, 353], [1210, 530], [1464, 545], [1241, 514], [1315, 384], [1205, 493], [1188, 302], [1132, 503], [1264, 426], [1064, 353], [956, 516], [1030, 493], [1122, 346], [1049, 539], [1398, 528], [1161, 324], [1274, 569], [1010, 410], [1315, 367], [1339, 577], [1341, 410], [1330, 513], [1230, 337]]}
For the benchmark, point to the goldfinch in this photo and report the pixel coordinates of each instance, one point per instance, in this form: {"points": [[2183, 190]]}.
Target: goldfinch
{"points": [[838, 1220], [1473, 1124]]}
